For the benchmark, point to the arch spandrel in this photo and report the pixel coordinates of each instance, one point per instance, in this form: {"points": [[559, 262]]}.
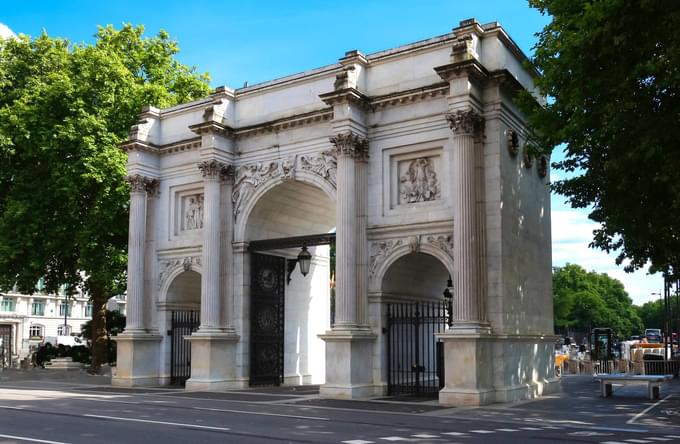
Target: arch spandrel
{"points": [[171, 268], [384, 253], [253, 181]]}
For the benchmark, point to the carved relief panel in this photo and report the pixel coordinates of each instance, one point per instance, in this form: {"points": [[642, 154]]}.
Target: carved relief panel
{"points": [[413, 179], [186, 211]]}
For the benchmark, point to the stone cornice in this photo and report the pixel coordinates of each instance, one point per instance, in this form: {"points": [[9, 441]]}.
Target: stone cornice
{"points": [[409, 96], [345, 95], [505, 79], [211, 126], [472, 68], [140, 145], [272, 126]]}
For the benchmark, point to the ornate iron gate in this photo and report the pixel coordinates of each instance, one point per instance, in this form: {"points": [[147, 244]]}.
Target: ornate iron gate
{"points": [[182, 323], [414, 355], [6, 346], [266, 319]]}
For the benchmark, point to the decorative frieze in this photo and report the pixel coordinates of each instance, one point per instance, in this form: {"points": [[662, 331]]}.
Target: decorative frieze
{"points": [[350, 144], [419, 183], [466, 122], [168, 266]]}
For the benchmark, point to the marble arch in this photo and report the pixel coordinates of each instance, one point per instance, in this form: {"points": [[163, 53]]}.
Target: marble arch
{"points": [[420, 148]]}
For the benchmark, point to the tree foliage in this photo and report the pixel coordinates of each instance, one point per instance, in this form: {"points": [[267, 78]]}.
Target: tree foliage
{"points": [[63, 109], [611, 72], [584, 300]]}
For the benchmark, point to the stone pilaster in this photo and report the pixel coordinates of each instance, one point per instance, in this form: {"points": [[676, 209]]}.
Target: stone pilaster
{"points": [[136, 243], [210, 280], [469, 285], [361, 177]]}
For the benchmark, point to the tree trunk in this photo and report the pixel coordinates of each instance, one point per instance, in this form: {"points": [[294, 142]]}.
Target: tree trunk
{"points": [[99, 338]]}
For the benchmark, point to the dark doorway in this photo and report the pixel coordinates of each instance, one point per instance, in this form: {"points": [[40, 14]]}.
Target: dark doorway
{"points": [[414, 355], [183, 323], [6, 347], [267, 286]]}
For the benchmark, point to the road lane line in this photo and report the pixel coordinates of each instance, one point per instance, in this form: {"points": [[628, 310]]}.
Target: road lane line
{"points": [[10, 407], [644, 412], [315, 418], [25, 438], [148, 421]]}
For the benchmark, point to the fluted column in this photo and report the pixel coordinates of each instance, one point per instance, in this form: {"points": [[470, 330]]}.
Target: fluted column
{"points": [[361, 169], [210, 280], [136, 243], [347, 145], [468, 126]]}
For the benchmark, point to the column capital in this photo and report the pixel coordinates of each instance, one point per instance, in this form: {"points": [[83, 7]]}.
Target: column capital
{"points": [[350, 144], [142, 184], [216, 170], [468, 122]]}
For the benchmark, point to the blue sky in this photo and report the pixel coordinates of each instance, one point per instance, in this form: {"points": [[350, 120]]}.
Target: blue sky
{"points": [[256, 41]]}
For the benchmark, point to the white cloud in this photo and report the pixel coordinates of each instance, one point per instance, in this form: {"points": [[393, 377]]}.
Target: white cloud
{"points": [[5, 32], [572, 232]]}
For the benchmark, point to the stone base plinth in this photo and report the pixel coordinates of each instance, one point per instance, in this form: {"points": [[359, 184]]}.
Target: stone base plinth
{"points": [[486, 368], [213, 361], [138, 361], [349, 365], [63, 364]]}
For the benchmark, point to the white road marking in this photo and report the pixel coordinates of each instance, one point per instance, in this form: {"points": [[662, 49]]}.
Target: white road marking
{"points": [[642, 413], [482, 431], [454, 433], [395, 438], [425, 435], [10, 407], [507, 430], [24, 438], [656, 438], [530, 428], [179, 424], [358, 441], [612, 442], [639, 441], [315, 418]]}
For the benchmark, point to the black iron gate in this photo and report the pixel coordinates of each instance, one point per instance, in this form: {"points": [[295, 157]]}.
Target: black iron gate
{"points": [[415, 360], [182, 323], [266, 319], [5, 346]]}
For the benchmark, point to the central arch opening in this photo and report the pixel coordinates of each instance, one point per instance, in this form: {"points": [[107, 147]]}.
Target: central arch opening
{"points": [[286, 317]]}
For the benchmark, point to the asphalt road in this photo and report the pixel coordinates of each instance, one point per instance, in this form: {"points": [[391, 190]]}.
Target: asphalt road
{"points": [[46, 411]]}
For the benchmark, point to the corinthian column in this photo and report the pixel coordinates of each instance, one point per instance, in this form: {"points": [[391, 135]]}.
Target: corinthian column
{"points": [[210, 280], [136, 242], [361, 171], [468, 231], [347, 145]]}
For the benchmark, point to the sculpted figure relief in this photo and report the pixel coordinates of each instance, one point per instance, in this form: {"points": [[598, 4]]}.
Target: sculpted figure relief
{"points": [[420, 183], [193, 214], [325, 164]]}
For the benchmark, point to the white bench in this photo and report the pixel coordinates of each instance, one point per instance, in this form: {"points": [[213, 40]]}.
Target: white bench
{"points": [[653, 382]]}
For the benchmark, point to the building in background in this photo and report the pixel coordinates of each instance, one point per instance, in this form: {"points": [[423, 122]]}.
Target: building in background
{"points": [[31, 320]]}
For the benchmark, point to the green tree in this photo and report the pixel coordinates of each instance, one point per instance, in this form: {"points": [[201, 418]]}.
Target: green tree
{"points": [[611, 72], [64, 108], [584, 300]]}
